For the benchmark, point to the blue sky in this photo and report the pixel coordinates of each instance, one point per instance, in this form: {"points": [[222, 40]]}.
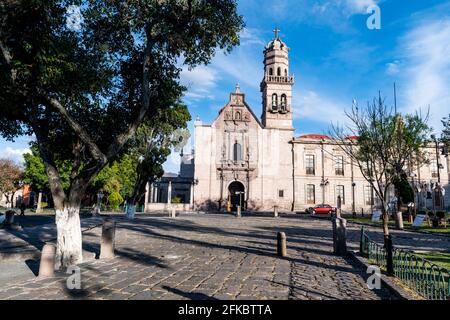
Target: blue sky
{"points": [[335, 59]]}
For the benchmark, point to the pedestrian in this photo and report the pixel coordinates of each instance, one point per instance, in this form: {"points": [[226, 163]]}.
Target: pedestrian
{"points": [[22, 209]]}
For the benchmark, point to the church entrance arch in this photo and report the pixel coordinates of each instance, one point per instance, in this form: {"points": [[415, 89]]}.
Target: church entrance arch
{"points": [[236, 196]]}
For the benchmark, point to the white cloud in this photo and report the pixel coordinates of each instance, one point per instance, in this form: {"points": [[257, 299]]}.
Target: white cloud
{"points": [[15, 154], [199, 81], [313, 106], [393, 68], [357, 6], [426, 49]]}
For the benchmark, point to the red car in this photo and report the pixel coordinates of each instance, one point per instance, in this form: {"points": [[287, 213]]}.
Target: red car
{"points": [[323, 209]]}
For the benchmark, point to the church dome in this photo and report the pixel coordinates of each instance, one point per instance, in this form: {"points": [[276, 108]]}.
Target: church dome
{"points": [[276, 44]]}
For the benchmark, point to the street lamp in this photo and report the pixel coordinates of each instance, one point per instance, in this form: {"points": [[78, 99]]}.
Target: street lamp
{"points": [[437, 157], [323, 184]]}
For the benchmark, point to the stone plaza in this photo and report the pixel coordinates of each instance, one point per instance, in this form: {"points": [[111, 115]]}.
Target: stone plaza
{"points": [[201, 257]]}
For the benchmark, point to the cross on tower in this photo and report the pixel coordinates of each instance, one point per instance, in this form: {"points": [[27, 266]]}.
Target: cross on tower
{"points": [[276, 30]]}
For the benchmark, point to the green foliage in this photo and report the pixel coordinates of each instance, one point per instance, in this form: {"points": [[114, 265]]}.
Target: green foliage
{"points": [[115, 200], [44, 204], [35, 174], [446, 136], [404, 188], [176, 200], [120, 176]]}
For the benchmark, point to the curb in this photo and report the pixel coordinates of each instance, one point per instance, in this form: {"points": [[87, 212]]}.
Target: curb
{"points": [[387, 281]]}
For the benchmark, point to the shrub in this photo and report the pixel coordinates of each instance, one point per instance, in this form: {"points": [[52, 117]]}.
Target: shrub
{"points": [[44, 204], [176, 200], [115, 200]]}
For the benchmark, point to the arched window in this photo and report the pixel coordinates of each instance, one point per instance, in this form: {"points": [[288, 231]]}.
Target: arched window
{"points": [[270, 72], [237, 152], [285, 72], [274, 101], [279, 71], [238, 115], [283, 102]]}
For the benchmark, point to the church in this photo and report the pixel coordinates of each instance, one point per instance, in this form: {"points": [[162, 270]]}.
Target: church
{"points": [[258, 163]]}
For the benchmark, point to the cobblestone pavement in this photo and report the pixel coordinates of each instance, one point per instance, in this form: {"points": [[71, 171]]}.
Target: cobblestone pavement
{"points": [[208, 257], [211, 256]]}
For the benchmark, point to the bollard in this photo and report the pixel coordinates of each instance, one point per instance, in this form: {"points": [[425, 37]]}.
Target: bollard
{"points": [[238, 213], [281, 244], [389, 255], [108, 239], [47, 263], [173, 213], [9, 217], [340, 236], [275, 212], [399, 221]]}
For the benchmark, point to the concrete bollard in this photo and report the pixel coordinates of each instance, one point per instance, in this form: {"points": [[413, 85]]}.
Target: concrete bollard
{"points": [[9, 217], [275, 212], [281, 244], [47, 263], [399, 220], [173, 213], [108, 239], [340, 236], [238, 212]]}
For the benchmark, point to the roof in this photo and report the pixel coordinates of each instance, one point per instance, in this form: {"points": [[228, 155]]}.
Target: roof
{"points": [[314, 136]]}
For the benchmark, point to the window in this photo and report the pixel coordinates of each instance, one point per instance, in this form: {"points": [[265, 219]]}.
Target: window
{"points": [[270, 72], [310, 194], [340, 193], [339, 165], [238, 115], [281, 193], [310, 165], [279, 71], [274, 101], [285, 73], [368, 195], [283, 102], [237, 152]]}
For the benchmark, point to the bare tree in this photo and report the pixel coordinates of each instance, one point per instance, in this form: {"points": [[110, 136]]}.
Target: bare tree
{"points": [[381, 143], [10, 177]]}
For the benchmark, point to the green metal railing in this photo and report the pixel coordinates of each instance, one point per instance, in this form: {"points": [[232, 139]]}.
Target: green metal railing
{"points": [[424, 277]]}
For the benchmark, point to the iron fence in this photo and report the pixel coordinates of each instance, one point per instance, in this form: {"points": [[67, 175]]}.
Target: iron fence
{"points": [[423, 276]]}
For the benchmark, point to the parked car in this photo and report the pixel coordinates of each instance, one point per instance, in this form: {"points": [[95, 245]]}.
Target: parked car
{"points": [[323, 209]]}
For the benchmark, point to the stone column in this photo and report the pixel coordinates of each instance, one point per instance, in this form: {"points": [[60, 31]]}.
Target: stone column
{"points": [[340, 236], [169, 193], [47, 263], [108, 239], [147, 195], [191, 196]]}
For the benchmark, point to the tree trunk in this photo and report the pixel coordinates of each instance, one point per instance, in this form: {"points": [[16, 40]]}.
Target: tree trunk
{"points": [[69, 242], [39, 204]]}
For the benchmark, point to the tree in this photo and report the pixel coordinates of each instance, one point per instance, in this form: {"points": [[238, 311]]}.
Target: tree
{"points": [[446, 136], [83, 90], [35, 175], [152, 145], [384, 143], [10, 179]]}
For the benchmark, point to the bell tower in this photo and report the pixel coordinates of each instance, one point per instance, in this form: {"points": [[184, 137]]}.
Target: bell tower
{"points": [[276, 87]]}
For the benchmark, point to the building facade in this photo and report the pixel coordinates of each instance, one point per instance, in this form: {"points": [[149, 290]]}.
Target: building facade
{"points": [[258, 163]]}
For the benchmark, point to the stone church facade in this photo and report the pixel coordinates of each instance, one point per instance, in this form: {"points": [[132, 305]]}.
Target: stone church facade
{"points": [[258, 163]]}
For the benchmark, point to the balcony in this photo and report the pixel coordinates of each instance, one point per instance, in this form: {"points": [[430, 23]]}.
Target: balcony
{"points": [[279, 79], [339, 172]]}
